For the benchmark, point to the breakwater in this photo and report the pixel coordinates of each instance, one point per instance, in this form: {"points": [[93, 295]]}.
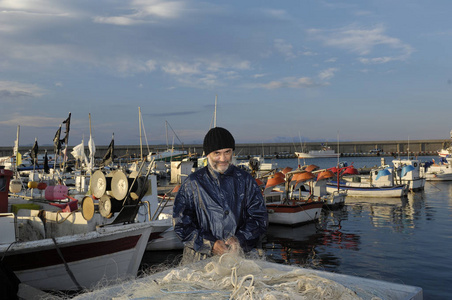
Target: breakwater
{"points": [[278, 150]]}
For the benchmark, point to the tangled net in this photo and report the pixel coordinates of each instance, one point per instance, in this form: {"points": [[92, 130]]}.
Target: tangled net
{"points": [[233, 277]]}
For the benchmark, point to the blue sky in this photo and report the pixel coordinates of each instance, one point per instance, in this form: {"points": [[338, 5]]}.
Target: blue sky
{"points": [[283, 71]]}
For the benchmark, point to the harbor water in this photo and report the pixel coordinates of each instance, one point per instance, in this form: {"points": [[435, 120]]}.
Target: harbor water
{"points": [[405, 241]]}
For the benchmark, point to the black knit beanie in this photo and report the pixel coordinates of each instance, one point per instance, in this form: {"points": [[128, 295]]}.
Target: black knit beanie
{"points": [[218, 138]]}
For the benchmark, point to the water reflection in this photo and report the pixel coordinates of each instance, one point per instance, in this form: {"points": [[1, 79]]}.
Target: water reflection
{"points": [[322, 245], [333, 234], [292, 245]]}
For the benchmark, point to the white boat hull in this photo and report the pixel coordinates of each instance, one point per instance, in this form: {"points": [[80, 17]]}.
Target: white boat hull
{"points": [[294, 214], [438, 176], [317, 154], [415, 184], [373, 192], [110, 253], [335, 199], [167, 240], [440, 172]]}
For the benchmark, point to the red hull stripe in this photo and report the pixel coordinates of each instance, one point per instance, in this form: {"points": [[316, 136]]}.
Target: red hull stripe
{"points": [[50, 257]]}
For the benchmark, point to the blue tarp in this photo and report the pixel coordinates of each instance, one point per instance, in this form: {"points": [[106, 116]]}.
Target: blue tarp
{"points": [[384, 172], [406, 169]]}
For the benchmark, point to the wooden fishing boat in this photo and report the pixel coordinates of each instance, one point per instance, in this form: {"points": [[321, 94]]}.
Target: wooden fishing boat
{"points": [[286, 207], [381, 183], [74, 262], [61, 245], [365, 190]]}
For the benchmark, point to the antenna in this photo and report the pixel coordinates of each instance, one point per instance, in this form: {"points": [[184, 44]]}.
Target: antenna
{"points": [[215, 112], [338, 152]]}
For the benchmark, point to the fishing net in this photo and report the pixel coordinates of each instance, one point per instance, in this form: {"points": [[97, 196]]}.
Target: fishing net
{"points": [[230, 277]]}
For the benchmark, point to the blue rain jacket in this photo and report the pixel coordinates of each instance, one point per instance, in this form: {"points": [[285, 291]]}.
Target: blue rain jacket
{"points": [[211, 206]]}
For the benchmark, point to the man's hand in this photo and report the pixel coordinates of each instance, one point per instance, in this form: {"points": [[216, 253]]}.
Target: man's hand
{"points": [[220, 248], [233, 243]]}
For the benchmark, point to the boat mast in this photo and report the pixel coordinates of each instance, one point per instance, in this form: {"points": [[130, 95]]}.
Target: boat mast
{"points": [[90, 146], [16, 150], [141, 140], [215, 112], [408, 149], [338, 152]]}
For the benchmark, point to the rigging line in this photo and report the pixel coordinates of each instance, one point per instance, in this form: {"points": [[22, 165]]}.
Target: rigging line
{"points": [[145, 135], [68, 270], [175, 134]]}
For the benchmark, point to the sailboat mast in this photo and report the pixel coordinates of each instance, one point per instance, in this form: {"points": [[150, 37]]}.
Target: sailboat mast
{"points": [[16, 149], [91, 154], [141, 141]]}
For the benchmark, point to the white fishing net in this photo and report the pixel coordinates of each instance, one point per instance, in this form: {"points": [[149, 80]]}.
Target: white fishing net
{"points": [[231, 277]]}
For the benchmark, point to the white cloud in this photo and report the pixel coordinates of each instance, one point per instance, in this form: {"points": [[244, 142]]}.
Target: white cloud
{"points": [[291, 82], [180, 68], [151, 65], [160, 8], [284, 48], [202, 72], [259, 75], [45, 7], [376, 60], [128, 66], [327, 74], [120, 20], [145, 11], [31, 121], [364, 42], [10, 90], [276, 13]]}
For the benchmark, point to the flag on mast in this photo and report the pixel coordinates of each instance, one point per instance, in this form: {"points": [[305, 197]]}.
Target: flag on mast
{"points": [[108, 157], [68, 124], [57, 142], [34, 152], [46, 164]]}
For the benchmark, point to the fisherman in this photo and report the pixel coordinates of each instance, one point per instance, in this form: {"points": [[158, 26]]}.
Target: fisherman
{"points": [[219, 208]]}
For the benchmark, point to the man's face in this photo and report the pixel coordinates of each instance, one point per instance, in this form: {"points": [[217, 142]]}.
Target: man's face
{"points": [[220, 160]]}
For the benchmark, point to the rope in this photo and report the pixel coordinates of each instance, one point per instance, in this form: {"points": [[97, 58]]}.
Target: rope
{"points": [[65, 218], [68, 270]]}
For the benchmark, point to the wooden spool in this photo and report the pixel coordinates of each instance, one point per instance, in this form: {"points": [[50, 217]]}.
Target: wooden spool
{"points": [[89, 208], [98, 184], [119, 185], [108, 206], [138, 186]]}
